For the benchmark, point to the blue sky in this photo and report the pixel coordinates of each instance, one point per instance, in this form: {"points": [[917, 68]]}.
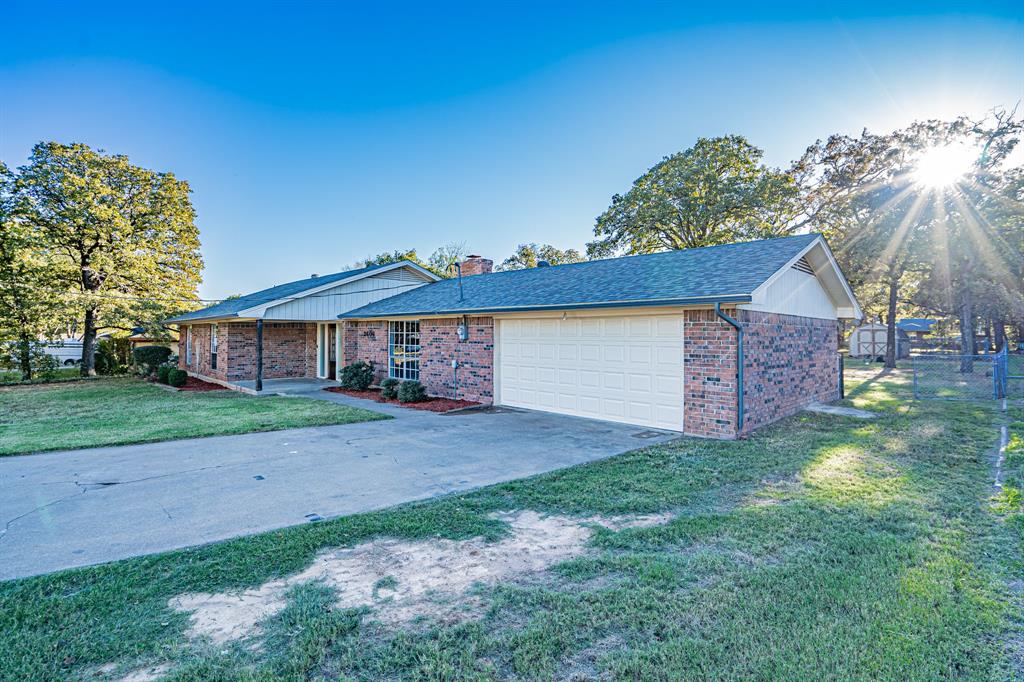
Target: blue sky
{"points": [[314, 135]]}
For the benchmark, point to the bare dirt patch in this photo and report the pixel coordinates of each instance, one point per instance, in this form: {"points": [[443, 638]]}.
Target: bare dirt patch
{"points": [[402, 580]]}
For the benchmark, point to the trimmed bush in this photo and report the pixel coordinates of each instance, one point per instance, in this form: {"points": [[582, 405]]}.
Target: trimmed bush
{"points": [[148, 358], [177, 377], [389, 389], [411, 392], [357, 377], [162, 373]]}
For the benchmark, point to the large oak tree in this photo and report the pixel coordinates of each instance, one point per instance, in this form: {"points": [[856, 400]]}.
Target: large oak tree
{"points": [[121, 238], [715, 192]]}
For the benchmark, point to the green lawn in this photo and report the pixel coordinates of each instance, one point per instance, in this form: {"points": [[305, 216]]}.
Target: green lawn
{"points": [[115, 411], [824, 548], [59, 374]]}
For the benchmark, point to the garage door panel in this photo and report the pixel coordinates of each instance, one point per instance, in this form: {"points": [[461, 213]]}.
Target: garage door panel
{"points": [[620, 368], [640, 327]]}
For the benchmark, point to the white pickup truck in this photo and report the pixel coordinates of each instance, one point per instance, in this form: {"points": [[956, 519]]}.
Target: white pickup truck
{"points": [[68, 352]]}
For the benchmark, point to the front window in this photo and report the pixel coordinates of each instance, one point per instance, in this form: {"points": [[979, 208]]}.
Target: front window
{"points": [[213, 346], [404, 349], [188, 346]]}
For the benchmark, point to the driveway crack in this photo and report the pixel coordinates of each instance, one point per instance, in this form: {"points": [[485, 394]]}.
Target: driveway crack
{"points": [[7, 526]]}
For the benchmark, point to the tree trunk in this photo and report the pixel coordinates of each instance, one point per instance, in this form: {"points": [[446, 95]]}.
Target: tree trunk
{"points": [[890, 324], [988, 334], [1000, 331], [967, 348], [25, 357], [89, 343]]}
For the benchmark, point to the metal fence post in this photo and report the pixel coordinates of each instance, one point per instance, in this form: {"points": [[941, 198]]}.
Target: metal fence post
{"points": [[842, 378], [913, 366]]}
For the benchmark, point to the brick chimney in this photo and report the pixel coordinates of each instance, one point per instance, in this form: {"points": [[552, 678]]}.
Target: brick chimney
{"points": [[475, 265]]}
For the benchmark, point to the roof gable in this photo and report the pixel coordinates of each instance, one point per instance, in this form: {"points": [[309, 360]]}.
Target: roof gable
{"points": [[251, 305]]}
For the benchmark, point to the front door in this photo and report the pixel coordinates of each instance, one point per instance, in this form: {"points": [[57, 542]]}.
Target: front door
{"points": [[332, 351]]}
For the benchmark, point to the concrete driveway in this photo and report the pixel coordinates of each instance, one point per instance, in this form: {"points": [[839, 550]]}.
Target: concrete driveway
{"points": [[64, 509]]}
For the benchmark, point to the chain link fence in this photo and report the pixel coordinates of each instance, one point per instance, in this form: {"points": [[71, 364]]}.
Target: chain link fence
{"points": [[954, 377], [968, 377]]}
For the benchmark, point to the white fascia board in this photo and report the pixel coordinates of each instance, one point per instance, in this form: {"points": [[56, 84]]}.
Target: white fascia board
{"points": [[850, 305], [259, 310]]}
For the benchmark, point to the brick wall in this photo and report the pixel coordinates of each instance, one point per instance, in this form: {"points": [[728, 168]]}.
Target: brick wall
{"points": [[368, 341], [289, 350], [789, 362], [475, 356], [709, 375], [201, 351]]}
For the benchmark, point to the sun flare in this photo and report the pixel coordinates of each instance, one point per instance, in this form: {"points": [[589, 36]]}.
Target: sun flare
{"points": [[939, 167]]}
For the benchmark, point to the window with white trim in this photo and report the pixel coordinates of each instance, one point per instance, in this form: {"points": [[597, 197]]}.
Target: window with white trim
{"points": [[188, 346], [213, 346], [404, 349]]}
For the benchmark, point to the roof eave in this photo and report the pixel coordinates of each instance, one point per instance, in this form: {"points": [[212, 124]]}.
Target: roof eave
{"points": [[691, 300]]}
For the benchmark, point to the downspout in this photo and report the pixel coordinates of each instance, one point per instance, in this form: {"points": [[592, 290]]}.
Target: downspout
{"points": [[739, 364]]}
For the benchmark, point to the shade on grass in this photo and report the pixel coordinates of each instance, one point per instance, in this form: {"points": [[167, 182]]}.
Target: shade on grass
{"points": [[821, 548], [117, 411]]}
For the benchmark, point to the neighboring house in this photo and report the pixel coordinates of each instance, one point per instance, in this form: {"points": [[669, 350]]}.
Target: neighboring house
{"points": [[916, 327], [140, 338], [648, 340], [290, 330]]}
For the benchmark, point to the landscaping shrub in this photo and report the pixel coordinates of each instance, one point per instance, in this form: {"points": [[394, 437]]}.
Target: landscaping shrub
{"points": [[389, 389], [106, 360], [163, 373], [357, 377], [176, 377], [148, 358], [411, 392]]}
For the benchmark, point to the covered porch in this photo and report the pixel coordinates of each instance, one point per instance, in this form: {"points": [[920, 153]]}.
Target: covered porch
{"points": [[295, 386], [328, 351]]}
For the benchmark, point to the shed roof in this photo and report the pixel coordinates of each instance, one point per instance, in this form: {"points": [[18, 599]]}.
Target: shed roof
{"points": [[915, 324], [730, 272]]}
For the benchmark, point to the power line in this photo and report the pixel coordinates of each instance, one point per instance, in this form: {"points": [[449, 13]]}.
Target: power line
{"points": [[212, 301]]}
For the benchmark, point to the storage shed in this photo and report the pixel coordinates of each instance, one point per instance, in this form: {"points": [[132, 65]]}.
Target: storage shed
{"points": [[869, 340]]}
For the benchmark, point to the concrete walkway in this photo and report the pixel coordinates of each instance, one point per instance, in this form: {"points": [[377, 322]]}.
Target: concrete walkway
{"points": [[80, 507]]}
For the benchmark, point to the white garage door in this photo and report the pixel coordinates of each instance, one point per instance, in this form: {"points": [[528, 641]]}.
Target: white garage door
{"points": [[625, 369]]}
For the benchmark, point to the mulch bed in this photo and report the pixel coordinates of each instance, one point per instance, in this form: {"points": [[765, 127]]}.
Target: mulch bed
{"points": [[200, 386], [430, 404], [194, 385]]}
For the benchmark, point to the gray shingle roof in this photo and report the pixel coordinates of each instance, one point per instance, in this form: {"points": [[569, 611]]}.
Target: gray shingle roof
{"points": [[730, 272], [232, 306]]}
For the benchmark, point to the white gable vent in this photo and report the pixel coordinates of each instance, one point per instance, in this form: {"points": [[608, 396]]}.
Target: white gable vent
{"points": [[803, 266]]}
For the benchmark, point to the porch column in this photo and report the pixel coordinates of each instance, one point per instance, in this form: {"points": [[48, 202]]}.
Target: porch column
{"points": [[339, 349], [259, 355]]}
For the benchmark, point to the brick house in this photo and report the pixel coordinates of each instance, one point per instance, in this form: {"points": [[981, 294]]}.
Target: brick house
{"points": [[713, 342], [287, 331]]}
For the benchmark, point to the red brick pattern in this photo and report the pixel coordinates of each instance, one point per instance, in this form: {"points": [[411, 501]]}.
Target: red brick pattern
{"points": [[201, 351], [790, 362], [289, 350], [368, 341], [475, 356], [709, 375]]}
